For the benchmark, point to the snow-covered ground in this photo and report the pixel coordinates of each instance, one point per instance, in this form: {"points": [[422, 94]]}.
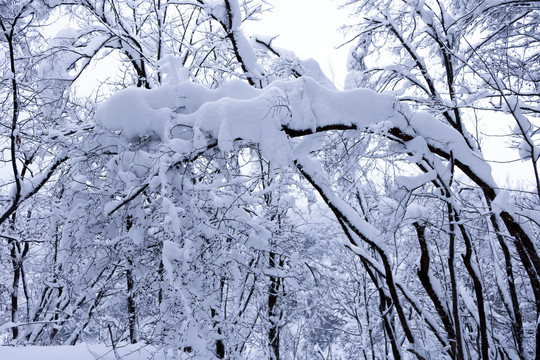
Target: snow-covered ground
{"points": [[82, 352]]}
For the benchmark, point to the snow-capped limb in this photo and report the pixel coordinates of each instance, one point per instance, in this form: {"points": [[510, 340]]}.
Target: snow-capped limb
{"points": [[528, 149], [354, 220], [296, 108], [229, 15], [123, 34], [59, 61], [29, 187], [8, 325], [129, 198], [11, 325], [298, 67]]}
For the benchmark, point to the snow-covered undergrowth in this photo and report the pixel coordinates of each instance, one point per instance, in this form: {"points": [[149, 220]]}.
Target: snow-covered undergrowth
{"points": [[83, 352]]}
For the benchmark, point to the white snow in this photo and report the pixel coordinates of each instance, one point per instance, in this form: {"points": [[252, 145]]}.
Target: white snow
{"points": [[237, 110], [412, 182], [503, 202], [81, 352], [417, 213], [449, 139], [192, 112], [136, 112]]}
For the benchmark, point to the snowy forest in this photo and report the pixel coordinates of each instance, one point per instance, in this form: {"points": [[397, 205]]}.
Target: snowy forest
{"points": [[171, 181]]}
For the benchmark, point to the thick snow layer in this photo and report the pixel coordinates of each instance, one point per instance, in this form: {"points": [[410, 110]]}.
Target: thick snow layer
{"points": [[185, 115], [417, 213], [230, 119], [136, 112], [299, 104], [503, 202], [412, 182], [81, 352]]}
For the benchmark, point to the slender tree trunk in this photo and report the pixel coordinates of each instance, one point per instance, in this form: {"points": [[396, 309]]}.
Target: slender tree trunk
{"points": [[274, 311], [515, 312], [15, 261], [130, 285], [220, 345], [385, 309], [17, 254], [132, 310], [426, 281], [453, 283]]}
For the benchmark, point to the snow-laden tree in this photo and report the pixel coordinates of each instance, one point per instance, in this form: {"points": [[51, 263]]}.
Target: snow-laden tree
{"points": [[435, 201], [36, 143], [120, 209], [474, 66], [226, 201]]}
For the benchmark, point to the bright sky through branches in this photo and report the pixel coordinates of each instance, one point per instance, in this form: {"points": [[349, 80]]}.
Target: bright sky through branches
{"points": [[310, 28]]}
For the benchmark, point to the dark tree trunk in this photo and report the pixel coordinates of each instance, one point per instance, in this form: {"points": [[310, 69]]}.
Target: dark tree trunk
{"points": [[274, 312]]}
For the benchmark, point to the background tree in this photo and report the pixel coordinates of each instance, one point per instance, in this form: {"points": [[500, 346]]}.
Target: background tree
{"points": [[449, 58]]}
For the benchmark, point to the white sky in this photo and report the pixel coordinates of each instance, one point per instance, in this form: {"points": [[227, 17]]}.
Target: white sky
{"points": [[309, 28]]}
